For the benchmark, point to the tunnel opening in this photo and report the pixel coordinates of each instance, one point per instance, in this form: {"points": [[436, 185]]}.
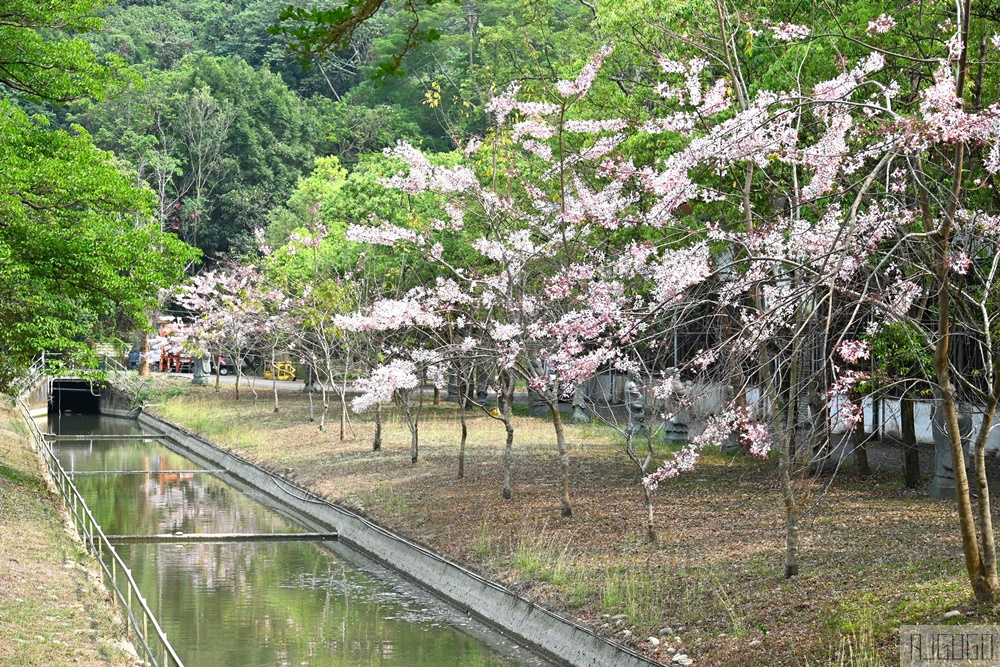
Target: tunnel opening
{"points": [[75, 396]]}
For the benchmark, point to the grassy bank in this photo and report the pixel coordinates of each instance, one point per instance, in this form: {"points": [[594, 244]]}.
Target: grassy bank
{"points": [[874, 555], [53, 610]]}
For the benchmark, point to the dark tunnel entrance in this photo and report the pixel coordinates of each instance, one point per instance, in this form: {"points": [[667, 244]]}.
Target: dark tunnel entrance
{"points": [[76, 396]]}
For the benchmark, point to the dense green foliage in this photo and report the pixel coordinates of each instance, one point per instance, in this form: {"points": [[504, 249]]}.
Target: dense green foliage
{"points": [[79, 259]]}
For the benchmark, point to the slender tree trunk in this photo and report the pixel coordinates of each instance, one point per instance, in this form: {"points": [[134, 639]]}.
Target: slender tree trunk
{"points": [[911, 458], [413, 419], [984, 584], [144, 354], [508, 458], [326, 409], [787, 458], [557, 423], [980, 567], [647, 496], [218, 375], [876, 417], [377, 440], [312, 412], [860, 438], [274, 380], [465, 429], [238, 374], [343, 404], [461, 446], [414, 442], [985, 514], [507, 400]]}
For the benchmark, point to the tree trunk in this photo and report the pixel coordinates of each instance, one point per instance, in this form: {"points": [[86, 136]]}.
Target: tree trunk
{"points": [[461, 446], [506, 402], [414, 443], [787, 457], [144, 354], [326, 410], [860, 438], [984, 583], [876, 417], [980, 565], [312, 412], [647, 496], [377, 440], [508, 456], [911, 458], [437, 396], [413, 422], [557, 423], [343, 404], [274, 381], [985, 516]]}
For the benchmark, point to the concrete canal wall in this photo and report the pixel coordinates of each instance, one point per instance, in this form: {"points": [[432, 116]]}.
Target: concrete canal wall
{"points": [[558, 639]]}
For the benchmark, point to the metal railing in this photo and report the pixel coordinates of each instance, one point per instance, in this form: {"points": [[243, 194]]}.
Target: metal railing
{"points": [[109, 369], [30, 378], [122, 378], [139, 618]]}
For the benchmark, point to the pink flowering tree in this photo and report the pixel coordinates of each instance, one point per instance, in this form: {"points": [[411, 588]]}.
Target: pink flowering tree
{"points": [[399, 324], [838, 206], [798, 218], [228, 309], [548, 297]]}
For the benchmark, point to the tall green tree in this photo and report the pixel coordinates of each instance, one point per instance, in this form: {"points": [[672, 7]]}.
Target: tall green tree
{"points": [[79, 257]]}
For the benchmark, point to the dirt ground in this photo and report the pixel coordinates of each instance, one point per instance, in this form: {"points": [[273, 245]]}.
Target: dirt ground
{"points": [[874, 555]]}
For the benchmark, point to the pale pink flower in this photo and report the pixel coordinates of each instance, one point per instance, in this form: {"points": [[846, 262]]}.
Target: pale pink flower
{"points": [[383, 382], [853, 351], [789, 32], [881, 25], [585, 79]]}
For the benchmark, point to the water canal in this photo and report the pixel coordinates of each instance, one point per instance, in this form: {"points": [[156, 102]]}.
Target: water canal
{"points": [[250, 603]]}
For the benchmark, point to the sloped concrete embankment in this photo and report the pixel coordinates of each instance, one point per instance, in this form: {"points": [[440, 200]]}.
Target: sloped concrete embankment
{"points": [[557, 638]]}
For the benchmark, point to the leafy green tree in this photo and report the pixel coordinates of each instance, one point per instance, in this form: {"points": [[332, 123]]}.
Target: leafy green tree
{"points": [[220, 142], [77, 252]]}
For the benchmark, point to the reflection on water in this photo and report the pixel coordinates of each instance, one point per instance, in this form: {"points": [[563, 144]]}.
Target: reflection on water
{"points": [[254, 604]]}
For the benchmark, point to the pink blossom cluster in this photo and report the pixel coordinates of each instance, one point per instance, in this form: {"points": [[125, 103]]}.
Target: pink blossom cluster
{"points": [[846, 382], [789, 32], [681, 461], [756, 438], [385, 234], [704, 359], [389, 315], [718, 428], [383, 382], [827, 155], [679, 270], [585, 79], [422, 176], [881, 25], [853, 351], [958, 262]]}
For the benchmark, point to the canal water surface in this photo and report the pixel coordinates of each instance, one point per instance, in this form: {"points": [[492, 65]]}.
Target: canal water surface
{"points": [[250, 604]]}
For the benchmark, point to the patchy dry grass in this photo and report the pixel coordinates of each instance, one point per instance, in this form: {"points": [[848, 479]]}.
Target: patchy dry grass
{"points": [[874, 555], [53, 610]]}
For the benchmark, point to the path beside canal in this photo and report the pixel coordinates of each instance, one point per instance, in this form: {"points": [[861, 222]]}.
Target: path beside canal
{"points": [[53, 610]]}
